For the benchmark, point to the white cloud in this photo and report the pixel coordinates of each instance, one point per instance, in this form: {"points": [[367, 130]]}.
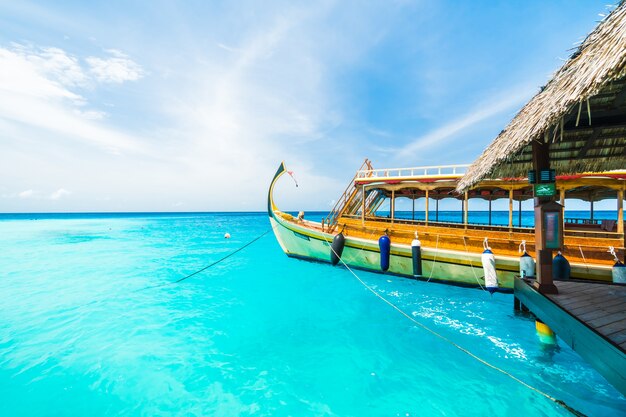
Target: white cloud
{"points": [[116, 69], [35, 93], [481, 113], [59, 194], [26, 194]]}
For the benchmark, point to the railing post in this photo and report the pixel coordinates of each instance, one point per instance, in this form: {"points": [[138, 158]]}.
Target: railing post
{"points": [[620, 211]]}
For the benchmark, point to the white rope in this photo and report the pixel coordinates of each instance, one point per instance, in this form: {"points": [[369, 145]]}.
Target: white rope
{"points": [[442, 337], [362, 247], [612, 252], [432, 269], [583, 255], [469, 258]]}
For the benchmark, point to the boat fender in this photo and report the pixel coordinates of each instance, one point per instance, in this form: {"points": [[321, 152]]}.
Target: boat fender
{"points": [[526, 262], [619, 269], [336, 248], [560, 267], [489, 268], [416, 254], [384, 243]]}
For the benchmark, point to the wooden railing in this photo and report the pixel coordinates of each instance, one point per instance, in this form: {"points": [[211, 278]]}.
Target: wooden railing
{"points": [[576, 220], [426, 171], [344, 202]]}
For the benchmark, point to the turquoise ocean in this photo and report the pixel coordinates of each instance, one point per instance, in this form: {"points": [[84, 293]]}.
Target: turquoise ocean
{"points": [[92, 323]]}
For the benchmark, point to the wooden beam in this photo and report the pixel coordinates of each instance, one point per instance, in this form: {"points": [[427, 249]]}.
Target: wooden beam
{"points": [[541, 161], [426, 210], [363, 204], [465, 201], [510, 208], [392, 206], [620, 211]]}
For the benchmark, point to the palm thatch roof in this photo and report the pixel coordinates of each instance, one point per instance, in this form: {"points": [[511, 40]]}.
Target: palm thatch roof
{"points": [[580, 113]]}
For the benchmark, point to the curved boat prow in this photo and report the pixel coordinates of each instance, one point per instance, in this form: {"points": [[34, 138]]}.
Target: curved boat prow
{"points": [[270, 194]]}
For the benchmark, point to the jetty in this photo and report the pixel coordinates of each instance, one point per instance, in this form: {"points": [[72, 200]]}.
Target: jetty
{"points": [[576, 123]]}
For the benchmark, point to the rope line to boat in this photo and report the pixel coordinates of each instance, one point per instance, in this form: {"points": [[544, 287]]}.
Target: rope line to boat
{"points": [[469, 258], [224, 257], [434, 259], [211, 264], [583, 255], [461, 348], [363, 246]]}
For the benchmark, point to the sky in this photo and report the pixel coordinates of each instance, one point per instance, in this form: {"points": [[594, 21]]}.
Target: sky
{"points": [[191, 106]]}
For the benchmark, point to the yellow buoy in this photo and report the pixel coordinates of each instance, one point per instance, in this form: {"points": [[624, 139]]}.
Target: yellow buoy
{"points": [[545, 333]]}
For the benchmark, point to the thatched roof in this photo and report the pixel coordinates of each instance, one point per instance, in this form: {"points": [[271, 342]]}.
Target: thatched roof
{"points": [[581, 113]]}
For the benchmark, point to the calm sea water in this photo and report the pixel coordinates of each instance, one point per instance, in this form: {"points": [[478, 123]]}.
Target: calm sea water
{"points": [[84, 332]]}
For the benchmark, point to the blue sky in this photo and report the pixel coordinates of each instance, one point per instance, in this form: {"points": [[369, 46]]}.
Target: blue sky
{"points": [[186, 106]]}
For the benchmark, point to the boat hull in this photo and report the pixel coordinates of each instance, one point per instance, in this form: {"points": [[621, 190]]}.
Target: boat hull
{"points": [[439, 265], [303, 239]]}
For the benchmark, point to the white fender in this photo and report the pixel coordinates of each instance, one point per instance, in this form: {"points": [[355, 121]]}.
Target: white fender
{"points": [[489, 268]]}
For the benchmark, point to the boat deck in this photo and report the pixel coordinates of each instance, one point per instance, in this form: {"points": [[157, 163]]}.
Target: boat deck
{"points": [[589, 317]]}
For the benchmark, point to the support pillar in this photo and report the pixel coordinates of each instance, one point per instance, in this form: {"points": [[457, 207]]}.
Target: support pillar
{"points": [[413, 212], [544, 283], [620, 211], [465, 208], [591, 209], [510, 209], [363, 206], [437, 210], [489, 211], [519, 212], [393, 205], [426, 209]]}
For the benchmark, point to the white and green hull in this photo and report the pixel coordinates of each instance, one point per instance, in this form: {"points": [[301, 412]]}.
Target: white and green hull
{"points": [[441, 265]]}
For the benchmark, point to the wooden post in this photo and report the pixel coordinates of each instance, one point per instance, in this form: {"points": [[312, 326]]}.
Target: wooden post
{"points": [[510, 209], [393, 205], [413, 215], [591, 209], [489, 211], [465, 209], [620, 211], [519, 212], [363, 207], [562, 202], [437, 210], [426, 210], [541, 161]]}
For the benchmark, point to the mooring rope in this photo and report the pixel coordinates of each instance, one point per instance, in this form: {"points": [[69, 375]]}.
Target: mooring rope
{"points": [[434, 259], [163, 284], [224, 258], [461, 348], [469, 258], [584, 260]]}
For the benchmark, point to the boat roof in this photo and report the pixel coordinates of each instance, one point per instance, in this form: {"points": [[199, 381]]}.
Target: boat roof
{"points": [[442, 180]]}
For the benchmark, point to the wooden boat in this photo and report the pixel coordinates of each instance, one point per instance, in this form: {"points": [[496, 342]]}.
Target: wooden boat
{"points": [[450, 252]]}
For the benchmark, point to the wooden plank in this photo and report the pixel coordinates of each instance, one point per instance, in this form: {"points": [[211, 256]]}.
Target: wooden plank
{"points": [[614, 327], [590, 313], [619, 338], [608, 319]]}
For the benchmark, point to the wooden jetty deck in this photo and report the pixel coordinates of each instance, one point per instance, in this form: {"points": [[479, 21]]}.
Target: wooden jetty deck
{"points": [[590, 317]]}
